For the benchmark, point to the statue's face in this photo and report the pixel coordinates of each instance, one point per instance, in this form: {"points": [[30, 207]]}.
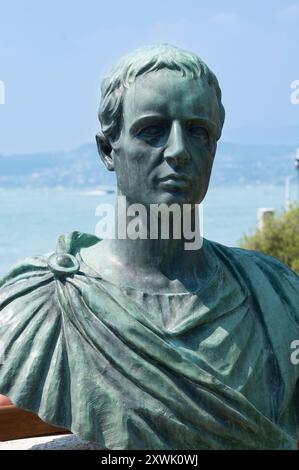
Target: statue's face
{"points": [[167, 143]]}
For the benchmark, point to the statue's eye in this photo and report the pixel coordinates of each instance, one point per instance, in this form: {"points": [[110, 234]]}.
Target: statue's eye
{"points": [[155, 130], [198, 132]]}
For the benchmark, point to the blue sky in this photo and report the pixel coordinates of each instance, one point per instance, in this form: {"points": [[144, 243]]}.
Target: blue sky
{"points": [[53, 55]]}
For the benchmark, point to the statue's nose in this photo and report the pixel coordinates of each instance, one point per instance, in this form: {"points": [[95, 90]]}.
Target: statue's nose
{"points": [[176, 151]]}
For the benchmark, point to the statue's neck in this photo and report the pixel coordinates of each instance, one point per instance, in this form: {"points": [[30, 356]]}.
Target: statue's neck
{"points": [[163, 240]]}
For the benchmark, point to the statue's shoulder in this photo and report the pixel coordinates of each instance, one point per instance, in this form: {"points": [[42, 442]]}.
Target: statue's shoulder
{"points": [[36, 271], [252, 259], [259, 270], [272, 288]]}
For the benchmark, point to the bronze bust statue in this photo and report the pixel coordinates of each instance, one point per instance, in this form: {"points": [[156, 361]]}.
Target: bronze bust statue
{"points": [[140, 343]]}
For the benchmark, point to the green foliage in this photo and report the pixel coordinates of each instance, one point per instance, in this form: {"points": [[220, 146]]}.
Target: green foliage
{"points": [[279, 238]]}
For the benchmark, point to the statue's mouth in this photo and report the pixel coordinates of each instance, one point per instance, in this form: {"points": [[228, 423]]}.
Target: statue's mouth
{"points": [[174, 181], [175, 177]]}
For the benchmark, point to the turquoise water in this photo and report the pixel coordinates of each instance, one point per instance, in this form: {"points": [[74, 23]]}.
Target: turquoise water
{"points": [[31, 220]]}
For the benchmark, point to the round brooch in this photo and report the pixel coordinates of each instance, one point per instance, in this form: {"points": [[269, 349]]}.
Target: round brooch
{"points": [[63, 264]]}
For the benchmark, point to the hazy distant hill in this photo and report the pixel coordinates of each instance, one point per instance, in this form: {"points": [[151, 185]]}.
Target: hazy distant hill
{"points": [[235, 163], [254, 164]]}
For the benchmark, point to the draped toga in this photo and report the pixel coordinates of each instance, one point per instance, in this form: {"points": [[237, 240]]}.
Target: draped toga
{"points": [[135, 370]]}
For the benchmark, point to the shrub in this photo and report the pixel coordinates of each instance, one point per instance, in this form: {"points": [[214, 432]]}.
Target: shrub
{"points": [[279, 238]]}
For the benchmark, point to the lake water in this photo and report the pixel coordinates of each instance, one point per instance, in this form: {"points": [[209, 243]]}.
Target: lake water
{"points": [[32, 219]]}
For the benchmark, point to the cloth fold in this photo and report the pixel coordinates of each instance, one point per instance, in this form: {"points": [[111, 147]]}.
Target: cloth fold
{"points": [[84, 355]]}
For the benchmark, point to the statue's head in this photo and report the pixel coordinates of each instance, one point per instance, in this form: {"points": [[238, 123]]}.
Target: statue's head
{"points": [[161, 116]]}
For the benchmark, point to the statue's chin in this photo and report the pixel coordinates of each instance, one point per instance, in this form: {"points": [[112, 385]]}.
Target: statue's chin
{"points": [[168, 197]]}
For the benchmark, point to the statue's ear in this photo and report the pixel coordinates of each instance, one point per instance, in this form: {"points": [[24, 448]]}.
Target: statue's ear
{"points": [[105, 151]]}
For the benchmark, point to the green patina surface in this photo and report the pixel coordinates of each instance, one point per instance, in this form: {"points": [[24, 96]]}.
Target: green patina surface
{"points": [[140, 343], [85, 356]]}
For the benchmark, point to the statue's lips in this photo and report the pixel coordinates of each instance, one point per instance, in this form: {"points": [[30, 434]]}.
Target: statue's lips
{"points": [[174, 181]]}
